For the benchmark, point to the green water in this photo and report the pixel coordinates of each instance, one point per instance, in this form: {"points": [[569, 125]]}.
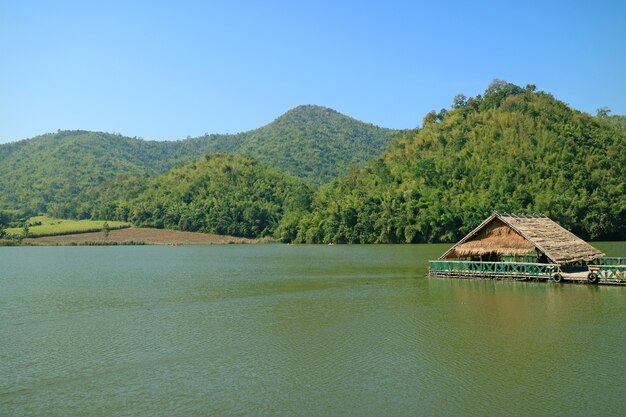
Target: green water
{"points": [[276, 330]]}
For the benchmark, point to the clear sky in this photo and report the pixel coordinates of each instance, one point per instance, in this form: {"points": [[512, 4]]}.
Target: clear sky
{"points": [[171, 69]]}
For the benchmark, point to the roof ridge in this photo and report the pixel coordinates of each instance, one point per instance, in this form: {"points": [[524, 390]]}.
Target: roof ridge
{"points": [[522, 216]]}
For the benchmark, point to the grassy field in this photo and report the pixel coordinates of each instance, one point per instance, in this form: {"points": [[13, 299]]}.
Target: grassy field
{"points": [[48, 226]]}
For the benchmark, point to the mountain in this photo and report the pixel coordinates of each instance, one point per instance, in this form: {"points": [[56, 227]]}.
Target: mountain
{"points": [[315, 143], [220, 193], [512, 149], [46, 173], [41, 174]]}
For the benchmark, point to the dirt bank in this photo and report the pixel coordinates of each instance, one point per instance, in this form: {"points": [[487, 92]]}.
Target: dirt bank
{"points": [[145, 235]]}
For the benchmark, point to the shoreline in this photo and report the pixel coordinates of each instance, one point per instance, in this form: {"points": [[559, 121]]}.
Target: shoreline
{"points": [[138, 236]]}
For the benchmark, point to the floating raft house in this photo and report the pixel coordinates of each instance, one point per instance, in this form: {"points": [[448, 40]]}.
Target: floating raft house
{"points": [[510, 246]]}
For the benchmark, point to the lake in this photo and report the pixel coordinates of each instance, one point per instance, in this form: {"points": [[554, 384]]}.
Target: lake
{"points": [[277, 330]]}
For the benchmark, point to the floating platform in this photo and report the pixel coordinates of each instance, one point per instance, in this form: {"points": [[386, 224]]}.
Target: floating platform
{"points": [[527, 247], [602, 271]]}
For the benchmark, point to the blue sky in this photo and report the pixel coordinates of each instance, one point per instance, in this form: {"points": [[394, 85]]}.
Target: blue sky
{"points": [[167, 70]]}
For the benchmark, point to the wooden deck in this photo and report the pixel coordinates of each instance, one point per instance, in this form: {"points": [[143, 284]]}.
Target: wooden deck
{"points": [[581, 278]]}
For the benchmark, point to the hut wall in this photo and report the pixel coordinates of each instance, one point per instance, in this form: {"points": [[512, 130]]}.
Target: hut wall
{"points": [[493, 242]]}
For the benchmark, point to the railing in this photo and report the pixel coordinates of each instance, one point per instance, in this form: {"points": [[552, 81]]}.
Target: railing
{"points": [[608, 260], [616, 272], [516, 270]]}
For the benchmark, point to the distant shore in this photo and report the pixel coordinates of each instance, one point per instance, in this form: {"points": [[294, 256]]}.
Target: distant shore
{"points": [[138, 236]]}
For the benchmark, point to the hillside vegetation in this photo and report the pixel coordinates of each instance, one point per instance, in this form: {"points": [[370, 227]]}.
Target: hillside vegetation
{"points": [[618, 120], [221, 193], [511, 149], [46, 173], [315, 143]]}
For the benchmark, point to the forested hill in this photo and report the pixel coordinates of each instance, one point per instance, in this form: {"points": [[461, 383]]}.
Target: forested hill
{"points": [[46, 173], [220, 193], [314, 143], [512, 149]]}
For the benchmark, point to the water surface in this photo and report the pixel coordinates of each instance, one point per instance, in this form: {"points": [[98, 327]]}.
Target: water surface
{"points": [[267, 330]]}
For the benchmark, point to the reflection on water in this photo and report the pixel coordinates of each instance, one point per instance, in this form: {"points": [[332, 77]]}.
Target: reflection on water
{"points": [[298, 330]]}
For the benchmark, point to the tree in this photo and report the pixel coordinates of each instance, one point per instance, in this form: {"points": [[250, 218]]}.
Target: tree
{"points": [[431, 117], [603, 112], [3, 230], [106, 230], [495, 85], [26, 229], [459, 101]]}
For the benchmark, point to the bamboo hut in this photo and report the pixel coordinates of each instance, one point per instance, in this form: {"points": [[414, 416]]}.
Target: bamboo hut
{"points": [[510, 237], [522, 247]]}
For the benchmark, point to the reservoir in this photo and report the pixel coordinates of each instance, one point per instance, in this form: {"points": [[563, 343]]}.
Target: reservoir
{"points": [[303, 330]]}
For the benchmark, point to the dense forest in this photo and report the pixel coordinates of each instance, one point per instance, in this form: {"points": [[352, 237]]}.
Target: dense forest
{"points": [[46, 174], [221, 193], [314, 143], [619, 120], [512, 149]]}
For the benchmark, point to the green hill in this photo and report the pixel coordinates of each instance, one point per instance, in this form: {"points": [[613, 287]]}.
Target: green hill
{"points": [[315, 143], [221, 193], [46, 173], [511, 149]]}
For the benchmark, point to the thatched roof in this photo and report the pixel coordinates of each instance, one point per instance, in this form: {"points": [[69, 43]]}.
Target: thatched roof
{"points": [[510, 234]]}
